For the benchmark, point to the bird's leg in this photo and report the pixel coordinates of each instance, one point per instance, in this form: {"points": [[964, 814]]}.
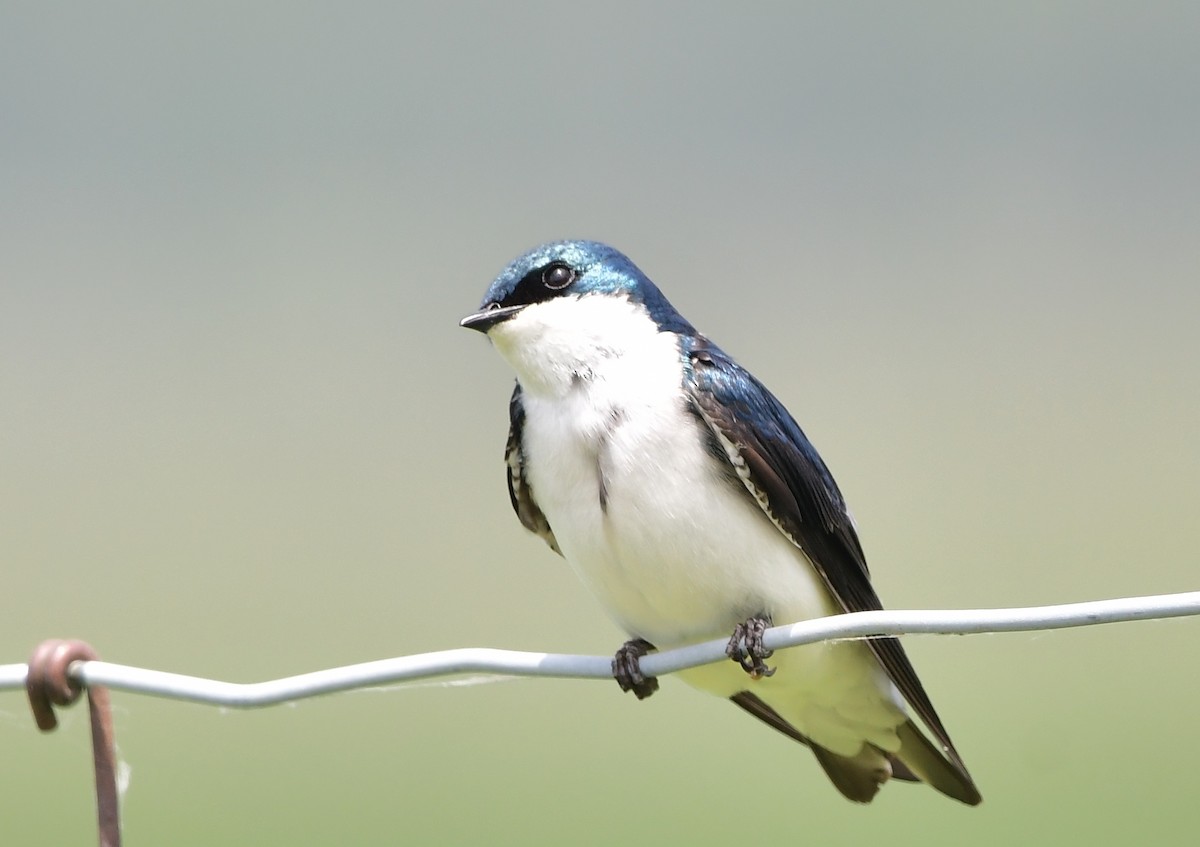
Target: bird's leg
{"points": [[746, 646], [626, 671]]}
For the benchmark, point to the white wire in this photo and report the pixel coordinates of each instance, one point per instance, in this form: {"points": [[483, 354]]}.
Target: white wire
{"points": [[512, 663]]}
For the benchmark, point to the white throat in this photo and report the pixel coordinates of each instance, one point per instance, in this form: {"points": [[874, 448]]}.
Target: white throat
{"points": [[559, 345]]}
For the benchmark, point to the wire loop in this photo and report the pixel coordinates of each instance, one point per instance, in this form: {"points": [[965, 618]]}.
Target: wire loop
{"points": [[48, 684]]}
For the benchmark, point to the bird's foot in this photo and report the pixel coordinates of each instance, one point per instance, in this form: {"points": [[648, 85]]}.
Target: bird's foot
{"points": [[747, 649], [626, 671]]}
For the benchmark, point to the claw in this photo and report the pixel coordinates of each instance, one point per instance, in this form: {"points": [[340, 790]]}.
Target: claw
{"points": [[747, 649], [627, 672]]}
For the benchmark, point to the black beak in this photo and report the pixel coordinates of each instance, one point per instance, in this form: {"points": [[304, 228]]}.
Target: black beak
{"points": [[489, 317]]}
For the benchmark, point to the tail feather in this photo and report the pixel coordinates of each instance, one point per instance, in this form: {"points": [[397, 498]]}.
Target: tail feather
{"points": [[860, 777]]}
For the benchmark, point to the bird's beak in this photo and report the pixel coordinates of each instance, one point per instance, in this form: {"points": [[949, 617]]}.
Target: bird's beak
{"points": [[486, 319]]}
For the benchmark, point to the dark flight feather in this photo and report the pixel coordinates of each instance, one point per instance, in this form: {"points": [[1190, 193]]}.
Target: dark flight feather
{"points": [[782, 471]]}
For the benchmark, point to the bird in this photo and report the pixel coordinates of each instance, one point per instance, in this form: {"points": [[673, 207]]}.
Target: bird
{"points": [[690, 503]]}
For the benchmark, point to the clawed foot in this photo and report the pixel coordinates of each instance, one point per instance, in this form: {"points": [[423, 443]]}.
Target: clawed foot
{"points": [[626, 671], [746, 647]]}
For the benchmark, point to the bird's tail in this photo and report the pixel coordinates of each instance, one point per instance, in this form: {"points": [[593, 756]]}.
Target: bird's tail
{"points": [[860, 777]]}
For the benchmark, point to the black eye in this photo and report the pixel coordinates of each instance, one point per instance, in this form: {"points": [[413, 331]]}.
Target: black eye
{"points": [[557, 276]]}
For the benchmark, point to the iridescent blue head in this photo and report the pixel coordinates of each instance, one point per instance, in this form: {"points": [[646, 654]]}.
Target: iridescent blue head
{"points": [[572, 269]]}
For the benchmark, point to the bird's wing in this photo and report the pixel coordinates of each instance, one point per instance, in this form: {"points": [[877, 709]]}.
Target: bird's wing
{"points": [[519, 492], [782, 471]]}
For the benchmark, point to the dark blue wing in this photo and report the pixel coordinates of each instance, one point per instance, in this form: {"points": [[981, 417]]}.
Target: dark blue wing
{"points": [[781, 470], [519, 492]]}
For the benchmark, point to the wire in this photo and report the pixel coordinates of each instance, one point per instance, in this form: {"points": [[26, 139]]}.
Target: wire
{"points": [[513, 663]]}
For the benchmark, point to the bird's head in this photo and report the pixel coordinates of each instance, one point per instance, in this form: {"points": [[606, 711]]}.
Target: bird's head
{"points": [[560, 311]]}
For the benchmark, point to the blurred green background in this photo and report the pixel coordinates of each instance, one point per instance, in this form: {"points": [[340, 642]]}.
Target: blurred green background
{"points": [[243, 436]]}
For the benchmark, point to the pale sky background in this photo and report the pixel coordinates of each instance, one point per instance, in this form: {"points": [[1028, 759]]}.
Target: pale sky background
{"points": [[242, 436]]}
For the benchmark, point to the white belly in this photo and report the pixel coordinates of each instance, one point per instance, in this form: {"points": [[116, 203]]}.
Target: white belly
{"points": [[677, 553]]}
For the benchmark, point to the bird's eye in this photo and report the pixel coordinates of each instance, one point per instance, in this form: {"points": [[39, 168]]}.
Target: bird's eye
{"points": [[557, 276]]}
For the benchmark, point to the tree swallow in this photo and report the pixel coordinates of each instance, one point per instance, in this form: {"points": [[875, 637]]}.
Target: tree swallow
{"points": [[691, 504]]}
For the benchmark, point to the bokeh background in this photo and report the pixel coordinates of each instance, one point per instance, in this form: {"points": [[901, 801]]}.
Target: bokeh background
{"points": [[243, 437]]}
